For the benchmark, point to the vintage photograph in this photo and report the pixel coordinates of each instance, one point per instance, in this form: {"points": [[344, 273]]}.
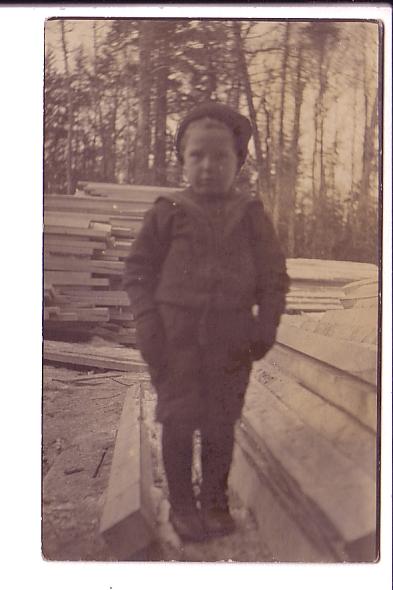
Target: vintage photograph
{"points": [[212, 279]]}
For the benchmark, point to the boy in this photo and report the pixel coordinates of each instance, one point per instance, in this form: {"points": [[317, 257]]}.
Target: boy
{"points": [[203, 258]]}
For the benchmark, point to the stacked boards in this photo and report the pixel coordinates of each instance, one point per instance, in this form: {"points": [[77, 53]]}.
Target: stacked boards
{"points": [[86, 240], [320, 285], [306, 459], [87, 237]]}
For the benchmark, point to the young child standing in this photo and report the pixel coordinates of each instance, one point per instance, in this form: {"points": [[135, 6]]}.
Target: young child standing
{"points": [[204, 258]]}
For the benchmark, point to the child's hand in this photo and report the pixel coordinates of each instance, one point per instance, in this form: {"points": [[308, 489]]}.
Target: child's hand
{"points": [[259, 349], [150, 337], [263, 337]]}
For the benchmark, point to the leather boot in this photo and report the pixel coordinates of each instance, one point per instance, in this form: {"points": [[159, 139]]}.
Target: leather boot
{"points": [[217, 521], [217, 449], [188, 524], [177, 451]]}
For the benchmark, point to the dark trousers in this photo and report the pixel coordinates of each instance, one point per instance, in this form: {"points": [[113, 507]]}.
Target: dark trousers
{"points": [[201, 385], [216, 458]]}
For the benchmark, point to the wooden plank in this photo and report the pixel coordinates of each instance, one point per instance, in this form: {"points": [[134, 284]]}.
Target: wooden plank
{"points": [[123, 232], [347, 392], [74, 278], [53, 240], [77, 264], [68, 249], [125, 191], [86, 220], [121, 315], [94, 205], [90, 315], [316, 293], [311, 307], [121, 252], [96, 314], [353, 316], [365, 287], [61, 230], [64, 316], [127, 521], [101, 226], [342, 330], [294, 298], [340, 490], [275, 506], [367, 269], [347, 435], [51, 312], [63, 219], [108, 298], [360, 360], [114, 358]]}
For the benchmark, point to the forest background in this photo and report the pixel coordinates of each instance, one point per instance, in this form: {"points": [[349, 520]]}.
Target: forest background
{"points": [[116, 89]]}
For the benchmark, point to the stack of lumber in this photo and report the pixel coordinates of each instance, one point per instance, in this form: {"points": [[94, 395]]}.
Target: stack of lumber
{"points": [[306, 454], [87, 237], [318, 285]]}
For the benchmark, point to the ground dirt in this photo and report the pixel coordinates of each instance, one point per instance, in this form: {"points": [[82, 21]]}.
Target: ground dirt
{"points": [[81, 412]]}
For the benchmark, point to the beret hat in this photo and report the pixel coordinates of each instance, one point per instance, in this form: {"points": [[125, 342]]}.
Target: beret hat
{"points": [[237, 123]]}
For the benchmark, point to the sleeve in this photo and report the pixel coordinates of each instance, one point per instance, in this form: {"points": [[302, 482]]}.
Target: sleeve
{"points": [[144, 262], [272, 278]]}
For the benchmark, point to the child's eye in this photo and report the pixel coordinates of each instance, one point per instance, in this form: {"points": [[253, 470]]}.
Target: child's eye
{"points": [[195, 155]]}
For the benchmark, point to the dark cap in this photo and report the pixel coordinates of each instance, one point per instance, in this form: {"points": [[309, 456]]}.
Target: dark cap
{"points": [[237, 123]]}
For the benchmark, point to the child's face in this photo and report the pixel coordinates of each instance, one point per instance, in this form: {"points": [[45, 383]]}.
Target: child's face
{"points": [[210, 158]]}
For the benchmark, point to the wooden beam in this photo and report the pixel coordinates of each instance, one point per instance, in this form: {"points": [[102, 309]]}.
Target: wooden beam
{"points": [[360, 360], [326, 479], [86, 250], [338, 427], [353, 395], [59, 230], [250, 480], [127, 522], [114, 358], [94, 205], [107, 298], [124, 191], [77, 264], [74, 278]]}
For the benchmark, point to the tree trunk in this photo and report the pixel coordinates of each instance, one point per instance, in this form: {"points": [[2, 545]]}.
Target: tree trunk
{"points": [[253, 117], [280, 167], [267, 179], [368, 156], [70, 111], [142, 172], [161, 81], [293, 171]]}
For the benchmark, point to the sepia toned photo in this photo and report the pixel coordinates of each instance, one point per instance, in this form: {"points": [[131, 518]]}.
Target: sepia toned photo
{"points": [[212, 290]]}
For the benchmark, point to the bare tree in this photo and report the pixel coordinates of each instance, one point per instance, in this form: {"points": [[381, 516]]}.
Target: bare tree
{"points": [[69, 108], [250, 103], [143, 143]]}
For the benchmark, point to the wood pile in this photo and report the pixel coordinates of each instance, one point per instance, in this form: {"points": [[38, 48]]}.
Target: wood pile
{"points": [[306, 458], [87, 237], [318, 285]]}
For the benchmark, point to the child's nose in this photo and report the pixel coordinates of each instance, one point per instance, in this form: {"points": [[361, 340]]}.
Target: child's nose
{"points": [[207, 162]]}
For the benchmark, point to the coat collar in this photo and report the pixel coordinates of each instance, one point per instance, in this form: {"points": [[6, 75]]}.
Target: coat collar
{"points": [[236, 205]]}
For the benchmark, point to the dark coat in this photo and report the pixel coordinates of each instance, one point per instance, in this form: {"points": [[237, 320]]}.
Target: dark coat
{"points": [[183, 258], [194, 263]]}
